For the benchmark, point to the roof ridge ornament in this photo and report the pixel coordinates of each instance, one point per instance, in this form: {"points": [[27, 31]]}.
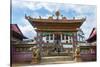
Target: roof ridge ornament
{"points": [[57, 13], [83, 19], [29, 18], [26, 17]]}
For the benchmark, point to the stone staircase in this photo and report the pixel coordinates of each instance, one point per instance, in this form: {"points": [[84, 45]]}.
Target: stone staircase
{"points": [[54, 59]]}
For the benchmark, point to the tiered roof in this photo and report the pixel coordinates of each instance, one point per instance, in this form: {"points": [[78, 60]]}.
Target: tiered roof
{"points": [[15, 31], [92, 36], [57, 24]]}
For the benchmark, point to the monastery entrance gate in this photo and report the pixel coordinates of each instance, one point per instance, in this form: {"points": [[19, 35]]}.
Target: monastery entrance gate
{"points": [[59, 23]]}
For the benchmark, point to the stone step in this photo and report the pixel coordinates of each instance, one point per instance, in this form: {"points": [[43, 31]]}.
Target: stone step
{"points": [[56, 58]]}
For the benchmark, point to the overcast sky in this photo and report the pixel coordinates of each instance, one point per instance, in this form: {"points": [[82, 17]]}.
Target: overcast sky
{"points": [[45, 9]]}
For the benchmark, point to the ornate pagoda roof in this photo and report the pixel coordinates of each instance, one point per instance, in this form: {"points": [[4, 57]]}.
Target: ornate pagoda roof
{"points": [[51, 19], [16, 31], [92, 36], [57, 22]]}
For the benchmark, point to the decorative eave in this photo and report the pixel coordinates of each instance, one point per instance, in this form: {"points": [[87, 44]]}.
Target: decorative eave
{"points": [[56, 30]]}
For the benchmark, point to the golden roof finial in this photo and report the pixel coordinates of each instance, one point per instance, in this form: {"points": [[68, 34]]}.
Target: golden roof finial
{"points": [[57, 13]]}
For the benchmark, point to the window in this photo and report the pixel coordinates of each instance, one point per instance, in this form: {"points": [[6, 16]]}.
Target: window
{"points": [[66, 37], [55, 36], [69, 39], [51, 36], [58, 37], [62, 36], [47, 38]]}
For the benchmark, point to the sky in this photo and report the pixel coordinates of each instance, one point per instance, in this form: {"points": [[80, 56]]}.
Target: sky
{"points": [[46, 9]]}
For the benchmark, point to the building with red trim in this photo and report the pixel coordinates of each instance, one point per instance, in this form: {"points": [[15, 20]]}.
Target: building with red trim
{"points": [[56, 34], [88, 51]]}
